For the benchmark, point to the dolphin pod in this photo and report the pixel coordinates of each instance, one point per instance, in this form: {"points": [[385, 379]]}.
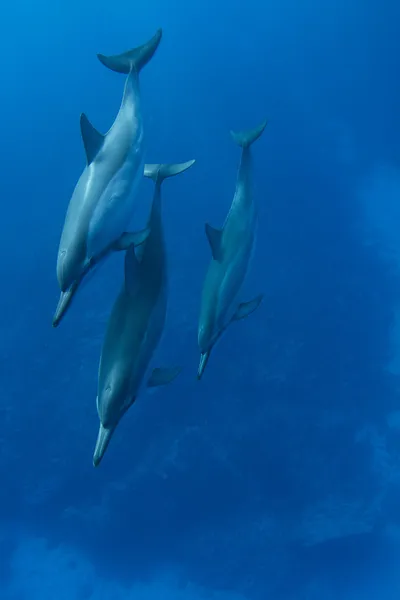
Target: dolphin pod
{"points": [[103, 201], [97, 223], [136, 323], [232, 249]]}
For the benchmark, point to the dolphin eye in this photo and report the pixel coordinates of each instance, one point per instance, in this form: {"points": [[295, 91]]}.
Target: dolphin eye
{"points": [[108, 389]]}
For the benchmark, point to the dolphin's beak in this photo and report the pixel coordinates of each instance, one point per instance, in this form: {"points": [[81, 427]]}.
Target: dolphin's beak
{"points": [[103, 439], [203, 363], [63, 303]]}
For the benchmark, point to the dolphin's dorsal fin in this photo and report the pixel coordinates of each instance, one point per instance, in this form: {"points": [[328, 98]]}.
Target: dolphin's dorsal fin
{"points": [[246, 308], [214, 237], [92, 139], [163, 376]]}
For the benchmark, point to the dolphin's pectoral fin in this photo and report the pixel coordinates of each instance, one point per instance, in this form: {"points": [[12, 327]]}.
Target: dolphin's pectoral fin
{"points": [[131, 238], [139, 253], [214, 237], [163, 376], [246, 308], [131, 270], [92, 139]]}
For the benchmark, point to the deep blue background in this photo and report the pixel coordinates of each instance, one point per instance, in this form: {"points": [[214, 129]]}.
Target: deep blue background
{"points": [[278, 473]]}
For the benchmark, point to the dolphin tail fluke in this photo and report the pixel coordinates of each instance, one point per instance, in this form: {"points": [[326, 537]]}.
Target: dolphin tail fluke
{"points": [[246, 138], [135, 59], [103, 439], [162, 171]]}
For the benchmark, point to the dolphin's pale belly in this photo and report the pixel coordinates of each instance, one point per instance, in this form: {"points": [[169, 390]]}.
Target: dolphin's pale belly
{"points": [[123, 162], [114, 211], [238, 243], [233, 276]]}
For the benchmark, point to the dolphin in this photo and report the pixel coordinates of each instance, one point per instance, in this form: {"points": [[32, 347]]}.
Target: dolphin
{"points": [[232, 249], [136, 323], [102, 203]]}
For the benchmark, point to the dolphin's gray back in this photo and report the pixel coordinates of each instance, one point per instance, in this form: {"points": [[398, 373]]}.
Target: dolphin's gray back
{"points": [[73, 242], [133, 332], [153, 259], [137, 320]]}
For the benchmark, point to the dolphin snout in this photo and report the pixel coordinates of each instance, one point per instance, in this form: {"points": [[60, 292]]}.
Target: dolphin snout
{"points": [[72, 265], [63, 270], [63, 303], [103, 439], [203, 363]]}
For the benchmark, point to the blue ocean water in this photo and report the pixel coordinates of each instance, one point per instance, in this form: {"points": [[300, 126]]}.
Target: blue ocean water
{"points": [[277, 476]]}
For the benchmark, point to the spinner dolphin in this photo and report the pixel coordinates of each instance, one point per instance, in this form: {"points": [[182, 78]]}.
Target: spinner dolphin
{"points": [[103, 202]]}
